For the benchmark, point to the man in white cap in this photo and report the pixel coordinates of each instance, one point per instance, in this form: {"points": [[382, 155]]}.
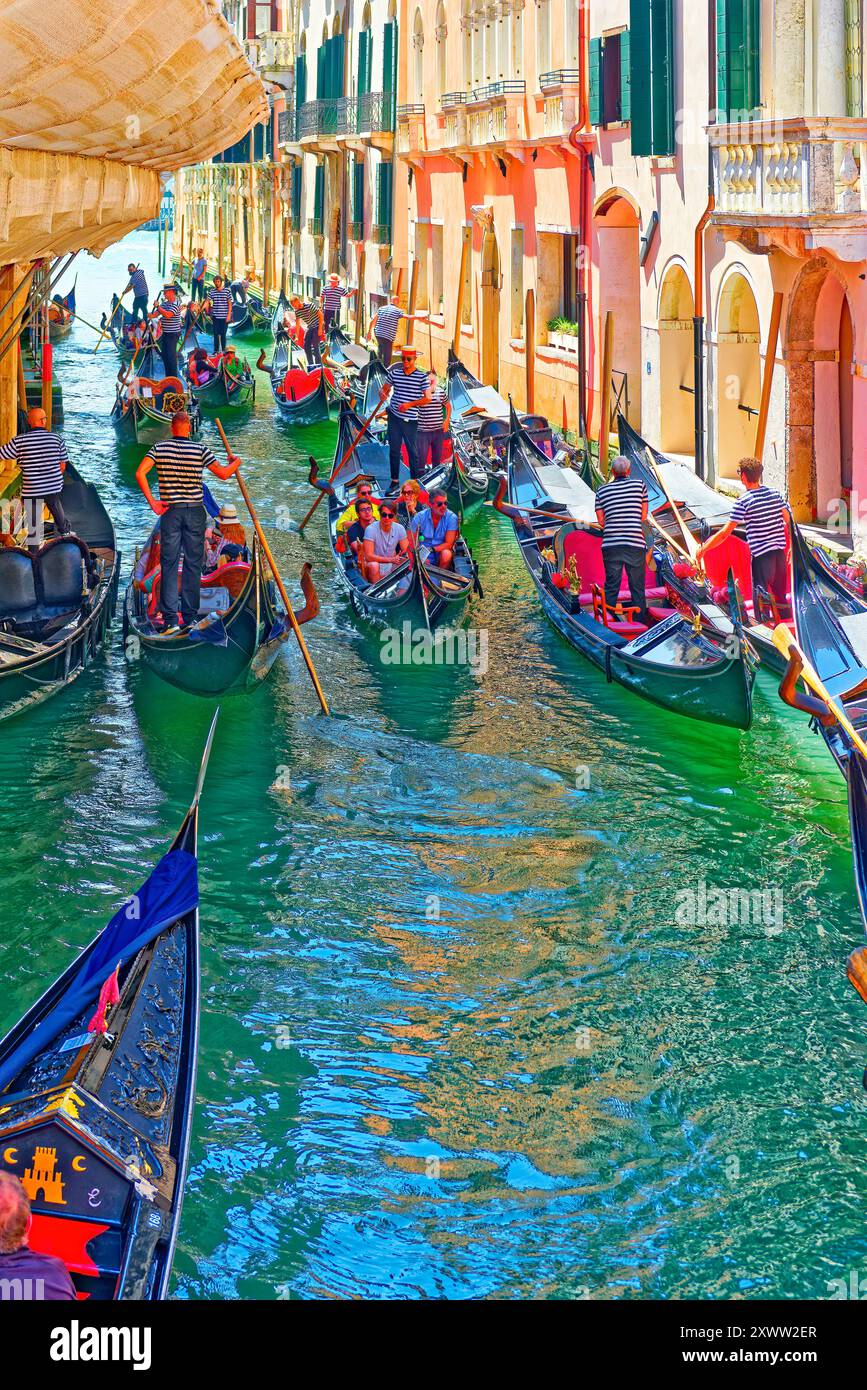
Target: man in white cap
{"points": [[332, 295]]}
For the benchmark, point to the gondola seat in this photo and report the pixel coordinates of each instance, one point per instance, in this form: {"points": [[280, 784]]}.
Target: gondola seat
{"points": [[18, 601], [586, 549], [62, 575]]}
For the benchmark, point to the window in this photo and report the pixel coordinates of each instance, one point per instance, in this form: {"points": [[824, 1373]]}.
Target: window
{"points": [[418, 56], [467, 302], [319, 198], [610, 79], [441, 36], [650, 62], [422, 239], [570, 30], [478, 44], [517, 297], [296, 196], [436, 266], [389, 68], [569, 297], [383, 201], [467, 43], [358, 197], [737, 57], [854, 60], [543, 35]]}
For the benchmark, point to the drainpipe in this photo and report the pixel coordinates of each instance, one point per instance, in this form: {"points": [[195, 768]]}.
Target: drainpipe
{"points": [[578, 136], [698, 331]]}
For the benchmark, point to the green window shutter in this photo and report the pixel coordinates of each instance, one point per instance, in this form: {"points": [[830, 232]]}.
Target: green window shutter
{"points": [[625, 78], [340, 46], [640, 85], [662, 73], [296, 194], [752, 54], [320, 70], [363, 59], [368, 68], [389, 69], [383, 193], [319, 192], [300, 80], [595, 81], [358, 191], [722, 59]]}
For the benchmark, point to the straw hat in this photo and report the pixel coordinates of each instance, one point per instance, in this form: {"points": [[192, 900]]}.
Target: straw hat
{"points": [[228, 515]]}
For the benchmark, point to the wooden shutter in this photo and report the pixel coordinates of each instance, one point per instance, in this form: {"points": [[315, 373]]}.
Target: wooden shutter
{"points": [[640, 85], [358, 191], [321, 54], [662, 76], [752, 55], [595, 81], [389, 71], [363, 61], [625, 78], [722, 59], [383, 193], [296, 195], [319, 192], [300, 80]]}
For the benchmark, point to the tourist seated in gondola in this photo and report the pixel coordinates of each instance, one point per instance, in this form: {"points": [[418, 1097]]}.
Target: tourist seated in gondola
{"points": [[20, 1267], [413, 499], [386, 544], [621, 511], [437, 528], [352, 540], [201, 368], [226, 540], [763, 511], [363, 493]]}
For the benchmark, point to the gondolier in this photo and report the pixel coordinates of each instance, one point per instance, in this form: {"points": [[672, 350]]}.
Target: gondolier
{"points": [[332, 296], [434, 418], [180, 462], [309, 314], [42, 458], [763, 511], [621, 510], [169, 311], [407, 388], [219, 305], [139, 286], [21, 1267], [200, 265], [384, 326]]}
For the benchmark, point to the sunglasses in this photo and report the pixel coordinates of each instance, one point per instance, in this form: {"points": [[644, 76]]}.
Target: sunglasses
{"points": [[383, 512]]}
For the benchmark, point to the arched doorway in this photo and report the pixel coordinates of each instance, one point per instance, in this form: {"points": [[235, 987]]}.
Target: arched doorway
{"points": [[739, 374], [676, 364], [820, 352], [490, 302], [619, 280]]}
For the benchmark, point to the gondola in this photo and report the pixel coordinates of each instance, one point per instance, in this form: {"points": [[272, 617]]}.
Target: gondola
{"points": [[61, 314], [249, 317], [342, 349], [56, 606], [278, 314], [302, 396], [224, 387], [703, 508], [425, 596], [145, 406], [480, 424], [674, 662], [240, 629], [120, 325], [98, 1087]]}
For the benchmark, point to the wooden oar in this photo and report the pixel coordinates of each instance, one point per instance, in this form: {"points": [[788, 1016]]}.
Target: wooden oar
{"points": [[419, 565], [506, 508], [345, 459], [287, 602], [689, 539], [105, 331], [787, 646]]}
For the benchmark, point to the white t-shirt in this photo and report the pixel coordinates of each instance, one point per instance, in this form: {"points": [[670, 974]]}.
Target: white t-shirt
{"points": [[385, 545]]}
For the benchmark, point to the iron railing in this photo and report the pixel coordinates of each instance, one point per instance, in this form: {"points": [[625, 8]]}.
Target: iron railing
{"points": [[381, 233], [286, 127], [355, 231], [314, 226], [508, 87], [376, 111], [560, 77]]}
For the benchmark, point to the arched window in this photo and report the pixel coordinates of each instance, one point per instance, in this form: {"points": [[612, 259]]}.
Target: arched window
{"points": [[336, 27], [441, 36], [543, 36], [467, 42], [418, 56]]}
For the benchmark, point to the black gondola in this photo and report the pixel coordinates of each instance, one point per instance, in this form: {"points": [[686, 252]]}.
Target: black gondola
{"points": [[224, 386], [342, 349], [240, 630], [61, 314], [145, 407], [249, 316], [56, 607], [98, 1087], [425, 596], [676, 661], [302, 396]]}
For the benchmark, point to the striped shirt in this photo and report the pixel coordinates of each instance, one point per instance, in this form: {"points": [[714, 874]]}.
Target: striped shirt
{"points": [[180, 463], [762, 511], [172, 324], [308, 313], [621, 501], [139, 284], [39, 455], [220, 301], [408, 386], [432, 416], [387, 319], [332, 295]]}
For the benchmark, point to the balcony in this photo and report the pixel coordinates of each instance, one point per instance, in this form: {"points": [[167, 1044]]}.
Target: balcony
{"points": [[355, 231], [376, 119], [380, 232], [317, 123], [411, 142], [346, 116], [496, 120], [314, 226], [276, 57], [798, 184]]}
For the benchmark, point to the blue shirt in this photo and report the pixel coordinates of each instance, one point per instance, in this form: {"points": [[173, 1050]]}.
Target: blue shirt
{"points": [[199, 267], [434, 534]]}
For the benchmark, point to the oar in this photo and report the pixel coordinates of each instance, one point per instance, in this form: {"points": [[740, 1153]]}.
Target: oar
{"points": [[345, 459], [419, 564], [105, 331], [689, 539], [787, 646], [506, 508], [308, 660]]}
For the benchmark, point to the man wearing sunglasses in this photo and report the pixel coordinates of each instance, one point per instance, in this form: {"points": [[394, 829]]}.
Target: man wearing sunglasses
{"points": [[385, 544], [407, 388], [437, 530], [363, 493]]}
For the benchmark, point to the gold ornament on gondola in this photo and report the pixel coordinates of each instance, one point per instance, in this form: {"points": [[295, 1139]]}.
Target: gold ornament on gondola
{"points": [[697, 623], [173, 401], [573, 576]]}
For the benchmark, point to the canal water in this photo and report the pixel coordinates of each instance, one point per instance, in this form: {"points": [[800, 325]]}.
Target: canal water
{"points": [[467, 1028]]}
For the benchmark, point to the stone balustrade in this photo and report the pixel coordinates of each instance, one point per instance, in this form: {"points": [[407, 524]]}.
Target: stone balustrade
{"points": [[805, 168]]}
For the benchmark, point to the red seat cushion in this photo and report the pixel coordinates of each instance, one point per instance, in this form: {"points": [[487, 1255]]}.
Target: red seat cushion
{"points": [[627, 630]]}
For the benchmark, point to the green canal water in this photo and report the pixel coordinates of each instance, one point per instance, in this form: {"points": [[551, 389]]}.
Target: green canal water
{"points": [[457, 1039]]}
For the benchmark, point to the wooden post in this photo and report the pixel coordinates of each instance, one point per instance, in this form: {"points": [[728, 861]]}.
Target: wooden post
{"points": [[768, 380], [190, 256], [22, 382], [181, 257], [8, 379], [399, 286], [266, 274], [232, 249], [220, 238], [284, 269], [459, 310], [359, 298], [530, 348], [605, 394], [413, 295]]}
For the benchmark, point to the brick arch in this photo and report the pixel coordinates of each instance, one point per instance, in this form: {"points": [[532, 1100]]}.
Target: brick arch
{"points": [[813, 402]]}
